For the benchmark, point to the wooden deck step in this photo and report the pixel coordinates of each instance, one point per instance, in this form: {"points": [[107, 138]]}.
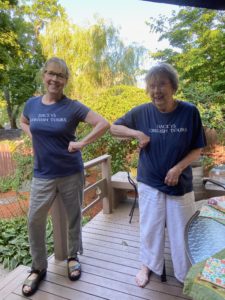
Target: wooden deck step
{"points": [[109, 264]]}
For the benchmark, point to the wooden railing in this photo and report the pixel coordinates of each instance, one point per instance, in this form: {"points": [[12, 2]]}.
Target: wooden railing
{"points": [[103, 191]]}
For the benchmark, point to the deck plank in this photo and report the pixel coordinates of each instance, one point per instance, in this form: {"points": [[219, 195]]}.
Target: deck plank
{"points": [[11, 281], [115, 277], [109, 265]]}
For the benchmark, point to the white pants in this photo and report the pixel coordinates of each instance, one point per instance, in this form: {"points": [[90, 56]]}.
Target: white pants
{"points": [[156, 210]]}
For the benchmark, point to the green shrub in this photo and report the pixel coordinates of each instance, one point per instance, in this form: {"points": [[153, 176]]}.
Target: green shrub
{"points": [[14, 244], [207, 162], [107, 144], [24, 166], [112, 104], [6, 183], [210, 103], [116, 101], [133, 159]]}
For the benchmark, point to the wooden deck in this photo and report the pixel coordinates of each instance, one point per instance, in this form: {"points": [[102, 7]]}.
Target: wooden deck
{"points": [[109, 264]]}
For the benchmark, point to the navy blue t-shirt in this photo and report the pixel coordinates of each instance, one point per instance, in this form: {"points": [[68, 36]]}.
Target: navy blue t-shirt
{"points": [[172, 136], [53, 127]]}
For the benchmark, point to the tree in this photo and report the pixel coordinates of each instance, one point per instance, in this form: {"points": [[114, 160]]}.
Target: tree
{"points": [[8, 42], [197, 50], [197, 45], [37, 30], [41, 12], [23, 54], [20, 64], [96, 56]]}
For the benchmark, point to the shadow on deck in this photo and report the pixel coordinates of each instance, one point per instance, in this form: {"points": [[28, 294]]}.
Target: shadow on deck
{"points": [[109, 263]]}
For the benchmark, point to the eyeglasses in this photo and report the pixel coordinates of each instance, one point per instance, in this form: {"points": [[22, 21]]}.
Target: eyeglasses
{"points": [[59, 76], [159, 85]]}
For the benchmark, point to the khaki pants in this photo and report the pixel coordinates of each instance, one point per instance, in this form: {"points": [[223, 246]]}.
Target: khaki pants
{"points": [[43, 193], [156, 210]]}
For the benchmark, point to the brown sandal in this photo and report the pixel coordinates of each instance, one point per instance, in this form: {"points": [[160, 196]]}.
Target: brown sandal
{"points": [[33, 283], [71, 269]]}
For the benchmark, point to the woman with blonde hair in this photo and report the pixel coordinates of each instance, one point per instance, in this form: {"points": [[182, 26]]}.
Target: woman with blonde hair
{"points": [[51, 121]]}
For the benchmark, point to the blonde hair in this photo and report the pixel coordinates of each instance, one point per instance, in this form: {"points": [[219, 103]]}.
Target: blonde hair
{"points": [[59, 62]]}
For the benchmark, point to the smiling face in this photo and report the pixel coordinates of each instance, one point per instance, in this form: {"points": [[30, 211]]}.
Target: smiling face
{"points": [[161, 92], [55, 79]]}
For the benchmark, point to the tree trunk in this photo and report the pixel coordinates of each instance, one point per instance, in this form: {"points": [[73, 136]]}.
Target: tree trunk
{"points": [[11, 116], [13, 123]]}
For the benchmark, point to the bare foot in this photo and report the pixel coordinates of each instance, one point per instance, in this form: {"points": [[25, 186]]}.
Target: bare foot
{"points": [[142, 277]]}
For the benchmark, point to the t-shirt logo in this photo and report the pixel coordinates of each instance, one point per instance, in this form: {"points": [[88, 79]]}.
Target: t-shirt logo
{"points": [[167, 128], [48, 118]]}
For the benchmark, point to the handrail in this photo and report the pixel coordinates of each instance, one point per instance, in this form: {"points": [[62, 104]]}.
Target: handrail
{"points": [[103, 191], [96, 161]]}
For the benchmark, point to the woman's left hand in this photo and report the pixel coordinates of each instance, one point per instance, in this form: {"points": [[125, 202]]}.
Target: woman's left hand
{"points": [[172, 176], [75, 146]]}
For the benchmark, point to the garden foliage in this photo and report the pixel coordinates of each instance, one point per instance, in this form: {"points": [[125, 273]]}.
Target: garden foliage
{"points": [[100, 63], [112, 104], [14, 244], [115, 101], [23, 157], [194, 36]]}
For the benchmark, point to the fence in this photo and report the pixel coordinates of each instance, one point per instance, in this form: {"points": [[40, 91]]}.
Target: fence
{"points": [[7, 164]]}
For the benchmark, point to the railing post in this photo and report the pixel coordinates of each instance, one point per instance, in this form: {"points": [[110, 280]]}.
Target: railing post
{"points": [[106, 173], [59, 229]]}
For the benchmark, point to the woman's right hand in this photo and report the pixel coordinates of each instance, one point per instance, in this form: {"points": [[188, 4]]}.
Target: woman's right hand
{"points": [[75, 146], [143, 139]]}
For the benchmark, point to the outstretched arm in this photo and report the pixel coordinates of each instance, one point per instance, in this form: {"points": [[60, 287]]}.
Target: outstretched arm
{"points": [[100, 125], [123, 131]]}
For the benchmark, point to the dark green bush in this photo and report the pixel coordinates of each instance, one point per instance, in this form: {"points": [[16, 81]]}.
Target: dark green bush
{"points": [[14, 244], [107, 144], [210, 103], [24, 167], [112, 103], [116, 101]]}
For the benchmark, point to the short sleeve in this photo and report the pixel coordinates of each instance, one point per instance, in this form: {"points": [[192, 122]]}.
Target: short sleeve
{"points": [[81, 110], [127, 120], [26, 110], [198, 137]]}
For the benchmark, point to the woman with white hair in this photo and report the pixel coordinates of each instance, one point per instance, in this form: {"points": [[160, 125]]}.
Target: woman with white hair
{"points": [[170, 136]]}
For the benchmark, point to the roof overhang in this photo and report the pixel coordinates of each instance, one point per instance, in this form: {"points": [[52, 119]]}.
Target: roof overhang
{"points": [[211, 4]]}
